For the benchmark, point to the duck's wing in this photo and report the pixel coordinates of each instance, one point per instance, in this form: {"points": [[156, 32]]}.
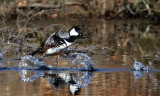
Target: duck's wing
{"points": [[53, 41], [38, 50], [63, 35]]}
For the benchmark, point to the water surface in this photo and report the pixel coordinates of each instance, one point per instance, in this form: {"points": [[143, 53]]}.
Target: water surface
{"points": [[110, 46]]}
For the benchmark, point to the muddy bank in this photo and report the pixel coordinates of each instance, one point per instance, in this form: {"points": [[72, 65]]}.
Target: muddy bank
{"points": [[109, 9]]}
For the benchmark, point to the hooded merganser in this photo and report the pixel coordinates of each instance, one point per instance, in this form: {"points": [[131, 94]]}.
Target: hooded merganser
{"points": [[58, 41]]}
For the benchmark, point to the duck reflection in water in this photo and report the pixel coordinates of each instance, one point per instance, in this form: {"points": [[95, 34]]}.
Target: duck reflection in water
{"points": [[75, 80], [60, 80]]}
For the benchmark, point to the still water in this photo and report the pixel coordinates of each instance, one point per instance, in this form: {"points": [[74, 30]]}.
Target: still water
{"points": [[111, 47]]}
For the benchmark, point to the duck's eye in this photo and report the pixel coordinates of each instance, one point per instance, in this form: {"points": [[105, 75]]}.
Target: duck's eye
{"points": [[80, 34]]}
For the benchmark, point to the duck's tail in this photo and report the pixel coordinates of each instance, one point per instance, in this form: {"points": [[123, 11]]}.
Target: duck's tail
{"points": [[38, 51], [34, 52]]}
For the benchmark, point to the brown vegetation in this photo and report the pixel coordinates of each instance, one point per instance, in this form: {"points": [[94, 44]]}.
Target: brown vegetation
{"points": [[86, 8]]}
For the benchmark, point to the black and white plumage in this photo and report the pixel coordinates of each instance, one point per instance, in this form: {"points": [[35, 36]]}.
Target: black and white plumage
{"points": [[58, 41], [61, 79]]}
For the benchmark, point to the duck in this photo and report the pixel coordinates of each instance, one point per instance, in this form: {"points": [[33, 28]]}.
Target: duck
{"points": [[58, 41]]}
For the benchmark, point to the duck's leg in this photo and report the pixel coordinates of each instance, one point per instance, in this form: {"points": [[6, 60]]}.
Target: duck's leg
{"points": [[42, 57], [57, 57]]}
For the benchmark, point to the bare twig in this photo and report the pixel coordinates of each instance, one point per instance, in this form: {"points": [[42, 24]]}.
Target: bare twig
{"points": [[120, 10], [130, 10], [147, 6], [45, 6]]}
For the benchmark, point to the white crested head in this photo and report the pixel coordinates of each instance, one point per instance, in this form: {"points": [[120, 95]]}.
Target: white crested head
{"points": [[73, 32]]}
